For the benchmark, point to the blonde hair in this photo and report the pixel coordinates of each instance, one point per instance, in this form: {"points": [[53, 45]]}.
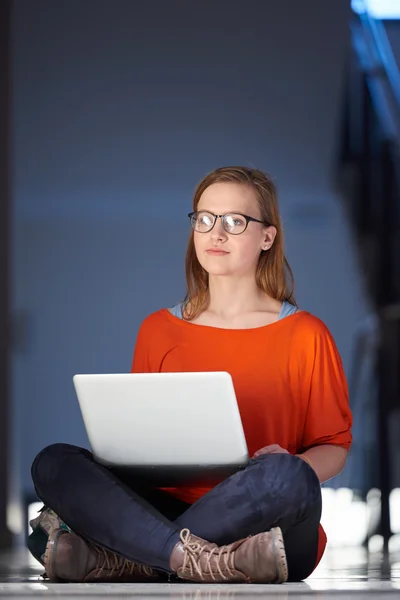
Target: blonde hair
{"points": [[273, 274]]}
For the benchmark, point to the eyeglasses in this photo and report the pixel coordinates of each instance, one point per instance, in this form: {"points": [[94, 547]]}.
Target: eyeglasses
{"points": [[234, 223]]}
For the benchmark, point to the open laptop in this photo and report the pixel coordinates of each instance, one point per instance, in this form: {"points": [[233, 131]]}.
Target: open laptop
{"points": [[170, 428]]}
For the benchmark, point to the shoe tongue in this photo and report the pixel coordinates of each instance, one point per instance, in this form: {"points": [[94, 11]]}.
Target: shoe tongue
{"points": [[203, 543]]}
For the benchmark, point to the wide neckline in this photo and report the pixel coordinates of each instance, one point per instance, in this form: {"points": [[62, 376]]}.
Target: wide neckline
{"points": [[199, 327]]}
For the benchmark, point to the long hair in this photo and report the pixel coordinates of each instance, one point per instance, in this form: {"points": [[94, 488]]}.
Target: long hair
{"points": [[273, 274]]}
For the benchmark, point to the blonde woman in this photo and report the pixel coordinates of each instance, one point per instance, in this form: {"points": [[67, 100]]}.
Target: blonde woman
{"points": [[261, 524]]}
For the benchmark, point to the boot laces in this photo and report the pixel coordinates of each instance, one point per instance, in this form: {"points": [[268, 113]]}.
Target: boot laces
{"points": [[221, 558], [117, 565]]}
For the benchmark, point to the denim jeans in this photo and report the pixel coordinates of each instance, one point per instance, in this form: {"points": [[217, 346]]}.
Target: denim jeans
{"points": [[127, 516]]}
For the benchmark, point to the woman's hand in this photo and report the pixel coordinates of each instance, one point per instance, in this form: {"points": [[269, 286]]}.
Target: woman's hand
{"points": [[272, 449]]}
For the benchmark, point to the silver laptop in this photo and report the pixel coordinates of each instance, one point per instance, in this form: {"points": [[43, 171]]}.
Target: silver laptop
{"points": [[170, 428]]}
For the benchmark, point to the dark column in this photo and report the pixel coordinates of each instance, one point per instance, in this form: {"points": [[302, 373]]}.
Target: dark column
{"points": [[5, 62]]}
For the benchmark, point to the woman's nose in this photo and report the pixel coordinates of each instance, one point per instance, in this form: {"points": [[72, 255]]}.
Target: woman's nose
{"points": [[218, 231]]}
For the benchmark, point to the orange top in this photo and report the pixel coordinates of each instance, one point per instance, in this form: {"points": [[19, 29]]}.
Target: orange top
{"points": [[288, 377]]}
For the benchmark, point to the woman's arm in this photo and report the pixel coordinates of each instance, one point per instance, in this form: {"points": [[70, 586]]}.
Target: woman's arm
{"points": [[327, 460], [326, 435]]}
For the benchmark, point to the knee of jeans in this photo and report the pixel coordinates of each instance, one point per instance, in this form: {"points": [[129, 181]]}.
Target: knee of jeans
{"points": [[307, 482], [46, 464], [301, 480]]}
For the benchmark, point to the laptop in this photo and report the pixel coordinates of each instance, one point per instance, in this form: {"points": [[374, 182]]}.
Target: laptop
{"points": [[169, 428]]}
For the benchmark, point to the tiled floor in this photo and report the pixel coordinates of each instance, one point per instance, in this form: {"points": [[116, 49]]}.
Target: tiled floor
{"points": [[346, 573]]}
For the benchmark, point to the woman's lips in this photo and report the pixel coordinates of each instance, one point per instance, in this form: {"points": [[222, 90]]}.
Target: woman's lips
{"points": [[216, 252]]}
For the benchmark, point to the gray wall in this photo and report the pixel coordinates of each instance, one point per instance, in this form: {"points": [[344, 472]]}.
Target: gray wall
{"points": [[120, 107], [121, 104]]}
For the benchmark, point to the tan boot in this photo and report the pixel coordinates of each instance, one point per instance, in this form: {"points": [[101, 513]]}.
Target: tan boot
{"points": [[257, 559], [42, 527], [70, 558]]}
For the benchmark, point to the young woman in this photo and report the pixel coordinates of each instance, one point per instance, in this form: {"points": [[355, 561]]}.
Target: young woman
{"points": [[239, 315]]}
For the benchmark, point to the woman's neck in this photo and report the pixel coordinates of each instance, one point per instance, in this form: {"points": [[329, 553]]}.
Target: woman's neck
{"points": [[230, 298]]}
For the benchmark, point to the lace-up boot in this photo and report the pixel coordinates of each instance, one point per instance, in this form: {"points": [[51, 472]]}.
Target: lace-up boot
{"points": [[70, 558], [257, 559]]}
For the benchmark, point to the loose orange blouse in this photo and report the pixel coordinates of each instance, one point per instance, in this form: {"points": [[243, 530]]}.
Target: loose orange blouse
{"points": [[288, 377]]}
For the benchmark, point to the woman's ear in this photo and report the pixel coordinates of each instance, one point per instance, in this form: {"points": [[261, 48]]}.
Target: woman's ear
{"points": [[269, 237]]}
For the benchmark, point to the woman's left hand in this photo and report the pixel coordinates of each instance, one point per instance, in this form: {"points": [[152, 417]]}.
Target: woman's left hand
{"points": [[272, 449]]}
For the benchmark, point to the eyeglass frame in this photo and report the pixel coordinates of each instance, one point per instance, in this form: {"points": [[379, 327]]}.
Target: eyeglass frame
{"points": [[248, 220]]}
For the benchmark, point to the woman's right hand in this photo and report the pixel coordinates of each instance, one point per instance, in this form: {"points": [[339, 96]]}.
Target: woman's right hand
{"points": [[271, 449]]}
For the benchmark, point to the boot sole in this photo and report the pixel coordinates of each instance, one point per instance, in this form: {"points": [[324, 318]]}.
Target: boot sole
{"points": [[51, 548], [280, 554]]}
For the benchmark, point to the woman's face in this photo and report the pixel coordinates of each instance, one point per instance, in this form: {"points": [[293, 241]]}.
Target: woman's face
{"points": [[221, 253]]}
